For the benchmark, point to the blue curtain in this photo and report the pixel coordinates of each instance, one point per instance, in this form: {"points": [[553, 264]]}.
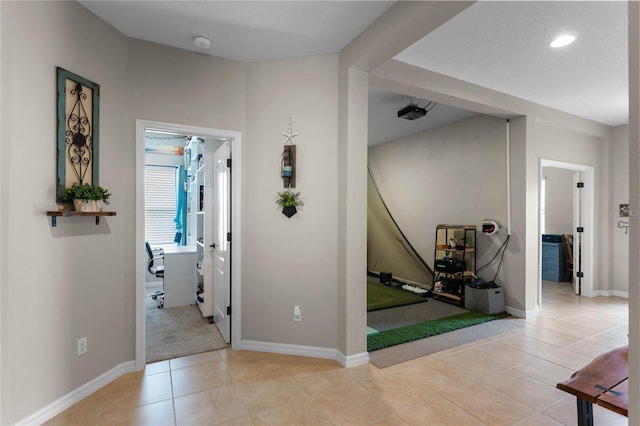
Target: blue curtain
{"points": [[181, 207]]}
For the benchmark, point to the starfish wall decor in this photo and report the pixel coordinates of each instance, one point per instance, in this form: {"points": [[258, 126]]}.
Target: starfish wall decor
{"points": [[289, 135]]}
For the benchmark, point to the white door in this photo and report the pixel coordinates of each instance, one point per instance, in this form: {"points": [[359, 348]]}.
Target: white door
{"points": [[221, 250], [577, 236]]}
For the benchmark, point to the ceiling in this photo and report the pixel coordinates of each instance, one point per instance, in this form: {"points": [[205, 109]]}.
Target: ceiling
{"points": [[505, 46], [500, 45], [246, 31]]}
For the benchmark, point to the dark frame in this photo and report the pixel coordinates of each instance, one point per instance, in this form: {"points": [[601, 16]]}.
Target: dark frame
{"points": [[77, 131], [624, 210]]}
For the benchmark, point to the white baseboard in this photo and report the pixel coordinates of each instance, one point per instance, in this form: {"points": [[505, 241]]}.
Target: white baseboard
{"points": [[535, 312], [520, 313], [618, 293], [609, 293], [353, 360], [310, 351], [64, 402]]}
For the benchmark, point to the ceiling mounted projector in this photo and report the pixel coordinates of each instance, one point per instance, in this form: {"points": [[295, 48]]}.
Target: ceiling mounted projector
{"points": [[412, 112]]}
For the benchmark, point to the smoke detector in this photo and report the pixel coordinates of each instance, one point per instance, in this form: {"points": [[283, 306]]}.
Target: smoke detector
{"points": [[202, 42]]}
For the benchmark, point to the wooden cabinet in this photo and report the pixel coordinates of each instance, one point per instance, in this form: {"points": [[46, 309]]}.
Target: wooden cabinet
{"points": [[454, 261], [199, 207]]}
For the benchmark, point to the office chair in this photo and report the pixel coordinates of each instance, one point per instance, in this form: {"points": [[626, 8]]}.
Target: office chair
{"points": [[156, 270]]}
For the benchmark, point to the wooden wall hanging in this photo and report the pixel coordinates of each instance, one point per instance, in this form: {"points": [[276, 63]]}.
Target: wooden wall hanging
{"points": [[289, 166], [288, 161]]}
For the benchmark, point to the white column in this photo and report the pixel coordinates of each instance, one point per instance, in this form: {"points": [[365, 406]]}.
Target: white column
{"points": [[634, 201]]}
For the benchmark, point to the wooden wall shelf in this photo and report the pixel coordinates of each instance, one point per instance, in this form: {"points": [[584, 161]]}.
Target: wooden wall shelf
{"points": [[55, 214]]}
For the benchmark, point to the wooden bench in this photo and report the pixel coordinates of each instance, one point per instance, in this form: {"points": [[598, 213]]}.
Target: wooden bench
{"points": [[604, 381]]}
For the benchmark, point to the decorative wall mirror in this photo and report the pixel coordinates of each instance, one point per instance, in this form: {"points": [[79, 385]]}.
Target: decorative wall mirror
{"points": [[78, 130]]}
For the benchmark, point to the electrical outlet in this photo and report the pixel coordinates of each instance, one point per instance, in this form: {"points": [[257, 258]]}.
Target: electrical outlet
{"points": [[82, 346], [297, 313]]}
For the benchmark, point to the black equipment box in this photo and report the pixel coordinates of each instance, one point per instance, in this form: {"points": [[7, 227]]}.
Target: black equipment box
{"points": [[449, 265]]}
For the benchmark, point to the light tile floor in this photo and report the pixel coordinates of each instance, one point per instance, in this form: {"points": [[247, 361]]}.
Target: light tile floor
{"points": [[506, 380]]}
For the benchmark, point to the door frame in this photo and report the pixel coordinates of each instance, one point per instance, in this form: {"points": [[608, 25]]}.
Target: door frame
{"points": [[236, 227], [588, 223]]}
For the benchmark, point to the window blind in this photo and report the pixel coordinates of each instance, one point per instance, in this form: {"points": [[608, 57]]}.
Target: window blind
{"points": [[160, 204]]}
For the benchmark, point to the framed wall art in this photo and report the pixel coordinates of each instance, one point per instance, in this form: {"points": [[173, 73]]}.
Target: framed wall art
{"points": [[624, 210], [78, 123]]}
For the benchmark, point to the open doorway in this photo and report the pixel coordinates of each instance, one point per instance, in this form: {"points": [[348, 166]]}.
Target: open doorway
{"points": [[566, 226], [180, 193], [186, 239], [446, 166], [402, 138]]}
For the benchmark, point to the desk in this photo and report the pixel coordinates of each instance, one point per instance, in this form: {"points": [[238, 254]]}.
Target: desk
{"points": [[604, 381], [179, 275]]}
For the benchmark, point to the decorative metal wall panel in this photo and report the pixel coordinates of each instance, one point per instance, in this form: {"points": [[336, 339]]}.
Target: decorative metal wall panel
{"points": [[78, 130]]}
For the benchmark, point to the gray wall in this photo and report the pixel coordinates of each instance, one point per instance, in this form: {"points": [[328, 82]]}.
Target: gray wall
{"points": [[453, 174], [85, 284], [559, 200], [562, 143], [536, 133], [77, 279], [619, 172], [291, 261]]}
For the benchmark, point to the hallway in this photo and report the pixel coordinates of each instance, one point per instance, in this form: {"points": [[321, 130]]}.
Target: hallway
{"points": [[506, 380]]}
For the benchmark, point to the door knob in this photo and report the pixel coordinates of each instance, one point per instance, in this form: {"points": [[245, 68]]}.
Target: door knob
{"points": [[213, 246]]}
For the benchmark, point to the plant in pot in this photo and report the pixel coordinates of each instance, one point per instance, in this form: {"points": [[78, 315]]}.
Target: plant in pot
{"points": [[289, 202], [85, 197]]}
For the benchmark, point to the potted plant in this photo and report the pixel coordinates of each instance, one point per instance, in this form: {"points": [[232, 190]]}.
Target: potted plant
{"points": [[289, 201], [85, 197]]}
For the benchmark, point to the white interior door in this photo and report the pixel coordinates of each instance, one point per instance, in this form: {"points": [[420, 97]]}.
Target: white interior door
{"points": [[221, 250], [577, 237]]}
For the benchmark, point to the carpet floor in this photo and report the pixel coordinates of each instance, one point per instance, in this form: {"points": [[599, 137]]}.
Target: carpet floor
{"points": [[388, 319], [407, 351], [176, 332]]}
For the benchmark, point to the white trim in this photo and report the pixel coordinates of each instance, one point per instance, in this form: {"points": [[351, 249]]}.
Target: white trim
{"points": [[309, 351], [587, 221], [520, 313], [236, 226], [66, 401], [508, 172], [288, 349], [619, 293], [353, 360], [611, 293]]}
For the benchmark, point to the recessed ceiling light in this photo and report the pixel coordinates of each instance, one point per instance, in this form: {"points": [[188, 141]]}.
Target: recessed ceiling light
{"points": [[562, 40], [202, 42]]}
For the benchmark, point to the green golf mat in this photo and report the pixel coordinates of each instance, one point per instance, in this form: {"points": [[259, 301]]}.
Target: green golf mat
{"points": [[380, 296], [409, 333]]}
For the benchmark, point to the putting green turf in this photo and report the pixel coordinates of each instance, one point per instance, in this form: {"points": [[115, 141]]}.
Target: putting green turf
{"points": [[409, 333], [380, 296]]}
